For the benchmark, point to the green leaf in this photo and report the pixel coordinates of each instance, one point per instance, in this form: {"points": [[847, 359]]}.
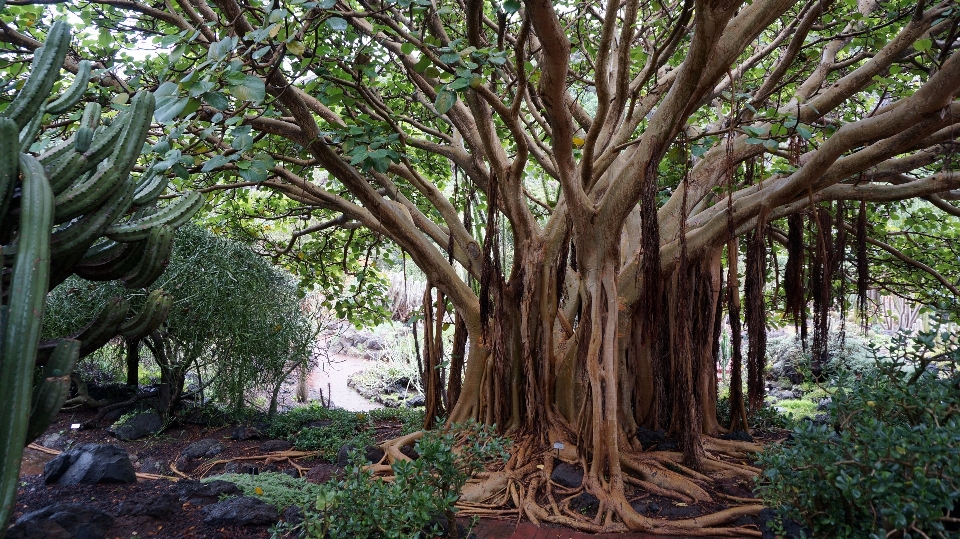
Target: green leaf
{"points": [[250, 89], [923, 45], [445, 101], [216, 100], [214, 162], [407, 48], [296, 48], [804, 132], [169, 103], [337, 24], [511, 6]]}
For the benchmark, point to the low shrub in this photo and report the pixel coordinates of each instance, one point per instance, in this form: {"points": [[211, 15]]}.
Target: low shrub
{"points": [[797, 409], [278, 489], [766, 417], [363, 507], [888, 463]]}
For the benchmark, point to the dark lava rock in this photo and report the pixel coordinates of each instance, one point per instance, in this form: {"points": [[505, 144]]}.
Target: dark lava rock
{"points": [[113, 415], [270, 468], [648, 437], [208, 447], [318, 424], [585, 503], [162, 506], [275, 445], [246, 433], [154, 466], [62, 521], [437, 527], [791, 529], [409, 452], [667, 446], [55, 441], [645, 508], [138, 426], [738, 435], [292, 472], [197, 493], [372, 454], [293, 515], [321, 473], [90, 463], [241, 511], [567, 475], [416, 401], [824, 403]]}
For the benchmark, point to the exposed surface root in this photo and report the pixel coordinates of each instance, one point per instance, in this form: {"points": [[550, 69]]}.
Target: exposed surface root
{"points": [[523, 488]]}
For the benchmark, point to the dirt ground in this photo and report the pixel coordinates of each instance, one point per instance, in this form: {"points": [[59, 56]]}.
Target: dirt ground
{"points": [[33, 494]]}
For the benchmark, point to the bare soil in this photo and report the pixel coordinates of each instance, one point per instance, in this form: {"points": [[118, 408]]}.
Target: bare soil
{"points": [[33, 494]]}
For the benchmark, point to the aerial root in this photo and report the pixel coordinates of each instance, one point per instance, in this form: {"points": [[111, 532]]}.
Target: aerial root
{"points": [[391, 448], [524, 481], [733, 448], [655, 489], [654, 472]]}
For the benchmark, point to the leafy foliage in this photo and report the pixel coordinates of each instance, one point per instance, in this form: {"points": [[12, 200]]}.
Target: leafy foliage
{"points": [[236, 318], [889, 463], [278, 489], [363, 507]]}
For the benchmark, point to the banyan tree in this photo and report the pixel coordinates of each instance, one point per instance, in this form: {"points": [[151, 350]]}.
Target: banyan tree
{"points": [[591, 188]]}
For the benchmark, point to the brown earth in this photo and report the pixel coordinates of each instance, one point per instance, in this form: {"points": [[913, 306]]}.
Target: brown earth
{"points": [[33, 494]]}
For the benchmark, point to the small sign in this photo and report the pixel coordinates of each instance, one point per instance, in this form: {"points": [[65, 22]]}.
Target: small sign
{"points": [[558, 445], [75, 426]]}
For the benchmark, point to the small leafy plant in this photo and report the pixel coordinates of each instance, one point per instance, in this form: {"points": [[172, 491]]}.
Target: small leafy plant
{"points": [[888, 465], [277, 489], [366, 507]]}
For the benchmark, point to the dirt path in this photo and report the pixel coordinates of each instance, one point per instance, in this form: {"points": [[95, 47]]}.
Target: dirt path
{"points": [[331, 380]]}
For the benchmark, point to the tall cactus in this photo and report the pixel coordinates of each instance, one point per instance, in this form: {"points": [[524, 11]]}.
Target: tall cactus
{"points": [[76, 208]]}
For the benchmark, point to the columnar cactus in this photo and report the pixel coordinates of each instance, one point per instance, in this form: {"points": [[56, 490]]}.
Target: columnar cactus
{"points": [[76, 208]]}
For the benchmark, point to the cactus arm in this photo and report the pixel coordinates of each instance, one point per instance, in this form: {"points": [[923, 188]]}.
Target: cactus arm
{"points": [[104, 326], [28, 289], [87, 195], [46, 70], [9, 163], [172, 215], [91, 115], [149, 188], [75, 92], [52, 390], [116, 267], [154, 261], [153, 313]]}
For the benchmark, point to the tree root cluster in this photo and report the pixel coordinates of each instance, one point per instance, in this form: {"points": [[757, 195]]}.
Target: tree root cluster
{"points": [[522, 488]]}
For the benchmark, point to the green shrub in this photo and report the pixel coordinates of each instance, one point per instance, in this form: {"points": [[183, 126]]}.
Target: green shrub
{"points": [[411, 419], [889, 463], [278, 489], [345, 427], [797, 409], [766, 417], [363, 507]]}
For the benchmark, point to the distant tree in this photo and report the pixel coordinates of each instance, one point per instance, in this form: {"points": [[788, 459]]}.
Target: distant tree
{"points": [[237, 322]]}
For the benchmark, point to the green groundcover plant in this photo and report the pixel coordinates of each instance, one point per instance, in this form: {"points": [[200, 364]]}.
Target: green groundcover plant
{"points": [[888, 464], [361, 506]]}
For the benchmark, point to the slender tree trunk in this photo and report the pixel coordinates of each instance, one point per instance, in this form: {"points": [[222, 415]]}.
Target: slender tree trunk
{"points": [[133, 361]]}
